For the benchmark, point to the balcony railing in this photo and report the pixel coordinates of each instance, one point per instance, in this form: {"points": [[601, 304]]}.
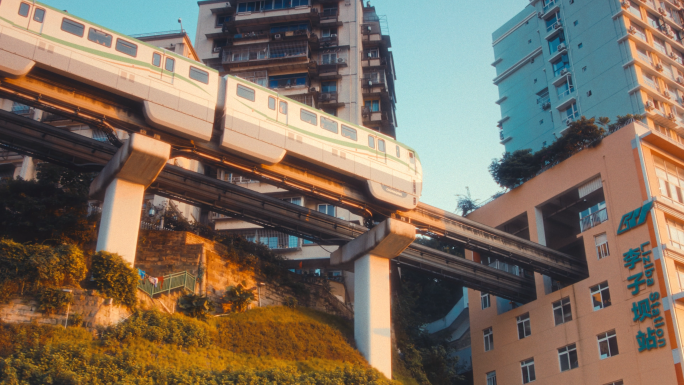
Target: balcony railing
{"points": [[274, 240], [373, 79], [328, 97], [549, 4], [269, 51], [304, 99], [20, 109], [503, 266], [567, 92], [172, 281], [593, 219], [329, 13], [554, 26]]}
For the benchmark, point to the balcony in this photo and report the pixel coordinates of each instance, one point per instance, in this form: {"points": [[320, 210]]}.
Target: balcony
{"points": [[661, 117], [593, 220], [544, 102], [274, 240], [20, 109], [330, 17], [289, 53], [329, 99], [375, 84], [550, 6], [553, 29], [272, 16]]}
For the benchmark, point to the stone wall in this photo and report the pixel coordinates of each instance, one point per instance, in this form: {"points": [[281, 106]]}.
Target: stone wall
{"points": [[165, 252]]}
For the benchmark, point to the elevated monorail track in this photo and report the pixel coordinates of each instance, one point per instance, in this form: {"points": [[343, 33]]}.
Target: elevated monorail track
{"points": [[60, 146]]}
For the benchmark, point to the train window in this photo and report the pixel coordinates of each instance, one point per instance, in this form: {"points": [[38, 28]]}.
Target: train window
{"points": [[169, 63], [73, 27], [156, 59], [39, 15], [398, 152], [381, 145], [245, 92], [24, 9], [100, 37], [309, 117], [348, 132], [199, 75], [371, 141], [283, 108], [412, 158], [271, 102], [329, 124], [129, 49]]}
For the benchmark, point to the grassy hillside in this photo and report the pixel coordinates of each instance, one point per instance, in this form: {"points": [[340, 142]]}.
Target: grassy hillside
{"points": [[262, 346]]}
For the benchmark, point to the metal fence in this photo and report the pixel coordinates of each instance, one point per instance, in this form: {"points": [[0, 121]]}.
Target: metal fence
{"points": [[172, 281], [266, 51], [593, 219], [274, 240]]}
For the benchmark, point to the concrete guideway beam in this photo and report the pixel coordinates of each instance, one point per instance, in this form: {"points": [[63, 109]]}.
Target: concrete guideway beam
{"points": [[121, 185], [371, 253]]}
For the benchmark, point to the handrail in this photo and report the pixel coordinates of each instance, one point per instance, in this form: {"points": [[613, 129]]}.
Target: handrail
{"points": [[172, 281]]}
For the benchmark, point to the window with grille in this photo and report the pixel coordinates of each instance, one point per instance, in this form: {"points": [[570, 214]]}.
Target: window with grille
{"points": [[524, 327], [607, 343], [528, 374], [491, 378], [562, 311], [676, 232], [488, 339], [601, 242], [485, 300], [670, 179], [600, 296], [567, 357], [327, 209]]}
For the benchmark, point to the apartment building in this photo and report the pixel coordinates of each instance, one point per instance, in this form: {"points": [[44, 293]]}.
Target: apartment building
{"points": [[333, 55], [558, 60], [619, 207]]}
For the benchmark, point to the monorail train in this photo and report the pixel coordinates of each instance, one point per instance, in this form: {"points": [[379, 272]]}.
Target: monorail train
{"points": [[180, 96]]}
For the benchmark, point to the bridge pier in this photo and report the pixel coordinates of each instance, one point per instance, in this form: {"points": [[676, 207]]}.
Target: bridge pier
{"points": [[121, 186], [369, 257]]}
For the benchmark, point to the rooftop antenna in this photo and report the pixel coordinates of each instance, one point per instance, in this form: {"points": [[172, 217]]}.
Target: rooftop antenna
{"points": [[181, 23]]}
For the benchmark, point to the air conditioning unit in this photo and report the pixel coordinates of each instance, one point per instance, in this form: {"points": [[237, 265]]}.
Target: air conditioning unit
{"points": [[672, 56], [662, 11], [666, 94], [557, 25], [546, 105], [370, 55], [561, 47], [564, 71], [370, 83], [277, 36], [659, 67], [217, 49], [333, 35], [625, 4], [313, 89], [540, 14], [649, 105], [568, 121], [631, 30], [340, 60], [680, 80], [671, 116], [368, 28]]}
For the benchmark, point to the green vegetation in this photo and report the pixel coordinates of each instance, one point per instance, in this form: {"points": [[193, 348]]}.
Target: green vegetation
{"points": [[237, 298], [52, 209], [52, 301], [157, 348], [115, 278], [516, 168], [196, 306]]}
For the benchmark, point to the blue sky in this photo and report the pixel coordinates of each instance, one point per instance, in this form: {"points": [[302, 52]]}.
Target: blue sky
{"points": [[442, 52]]}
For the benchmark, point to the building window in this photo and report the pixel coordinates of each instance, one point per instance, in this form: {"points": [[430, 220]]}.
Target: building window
{"points": [[327, 87], [676, 231], [555, 44], [568, 357], [680, 274], [634, 9], [256, 77], [645, 55], [570, 114], [372, 54], [287, 81], [330, 110], [329, 32], [600, 296], [670, 178], [491, 378], [488, 339], [607, 343], [566, 88], [524, 329], [593, 216], [372, 105], [220, 19], [639, 32], [602, 249], [562, 311], [485, 300], [329, 58], [652, 20], [659, 45], [559, 65], [327, 209], [528, 374]]}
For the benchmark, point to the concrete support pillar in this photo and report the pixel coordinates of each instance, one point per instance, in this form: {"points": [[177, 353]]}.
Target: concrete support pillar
{"points": [[369, 256], [28, 169], [121, 185]]}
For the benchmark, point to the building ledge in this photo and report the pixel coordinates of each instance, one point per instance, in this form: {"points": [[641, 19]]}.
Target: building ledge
{"points": [[566, 102], [503, 99], [506, 140], [517, 65]]}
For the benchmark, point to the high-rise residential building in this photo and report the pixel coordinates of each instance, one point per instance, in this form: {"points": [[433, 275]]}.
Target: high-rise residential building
{"points": [[333, 55], [558, 60], [618, 206]]}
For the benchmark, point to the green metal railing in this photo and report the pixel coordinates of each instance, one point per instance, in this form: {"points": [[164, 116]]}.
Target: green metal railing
{"points": [[171, 281]]}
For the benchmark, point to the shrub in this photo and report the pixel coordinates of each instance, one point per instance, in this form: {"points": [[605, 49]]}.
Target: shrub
{"points": [[115, 278], [52, 301], [158, 327], [196, 306], [75, 319], [237, 298]]}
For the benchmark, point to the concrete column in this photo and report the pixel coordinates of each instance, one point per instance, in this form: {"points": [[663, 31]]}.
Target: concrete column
{"points": [[121, 185], [28, 169], [369, 256]]}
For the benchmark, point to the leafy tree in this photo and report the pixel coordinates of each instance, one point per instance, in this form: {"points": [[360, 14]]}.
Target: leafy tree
{"points": [[237, 298], [196, 306], [466, 203], [52, 209], [115, 278], [52, 301]]}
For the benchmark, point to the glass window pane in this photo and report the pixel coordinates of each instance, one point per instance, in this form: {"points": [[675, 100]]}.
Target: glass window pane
{"points": [[371, 142], [308, 117], [246, 93], [381, 145], [100, 37], [39, 15], [156, 59], [612, 344], [271, 102], [129, 49], [283, 108], [199, 75], [329, 124], [169, 64], [348, 132], [24, 9], [73, 27]]}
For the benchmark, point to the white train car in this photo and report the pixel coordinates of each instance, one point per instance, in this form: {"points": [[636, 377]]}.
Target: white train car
{"points": [[177, 93], [264, 126]]}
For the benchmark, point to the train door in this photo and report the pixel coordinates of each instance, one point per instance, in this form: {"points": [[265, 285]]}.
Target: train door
{"points": [[373, 146], [382, 151], [168, 65], [37, 20], [283, 113]]}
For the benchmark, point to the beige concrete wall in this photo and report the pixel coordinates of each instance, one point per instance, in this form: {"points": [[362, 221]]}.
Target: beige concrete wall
{"points": [[617, 162]]}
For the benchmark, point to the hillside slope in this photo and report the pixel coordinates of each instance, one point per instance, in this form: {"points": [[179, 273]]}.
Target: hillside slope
{"points": [[274, 345]]}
